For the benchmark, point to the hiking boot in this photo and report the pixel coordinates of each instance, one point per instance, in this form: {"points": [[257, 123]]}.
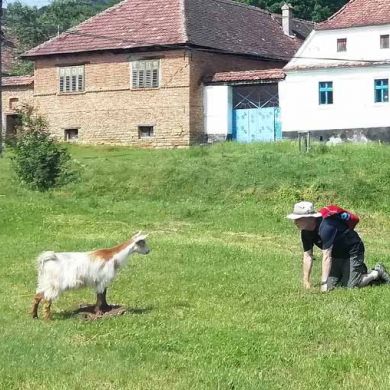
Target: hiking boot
{"points": [[382, 271]]}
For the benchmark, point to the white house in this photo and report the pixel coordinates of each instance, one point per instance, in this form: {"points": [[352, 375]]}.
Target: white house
{"points": [[338, 81]]}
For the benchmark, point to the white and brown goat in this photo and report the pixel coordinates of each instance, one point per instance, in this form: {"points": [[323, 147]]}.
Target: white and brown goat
{"points": [[62, 271]]}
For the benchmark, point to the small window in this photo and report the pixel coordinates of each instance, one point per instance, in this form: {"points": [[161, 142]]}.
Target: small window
{"points": [[13, 103], [145, 131], [71, 135], [381, 90], [342, 44], [71, 79], [145, 74], [326, 92], [385, 41]]}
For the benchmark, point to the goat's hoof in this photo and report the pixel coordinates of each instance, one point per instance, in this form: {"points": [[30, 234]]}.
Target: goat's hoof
{"points": [[100, 310]]}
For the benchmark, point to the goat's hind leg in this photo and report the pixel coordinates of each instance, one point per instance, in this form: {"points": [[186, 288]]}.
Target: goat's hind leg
{"points": [[36, 301], [46, 309]]}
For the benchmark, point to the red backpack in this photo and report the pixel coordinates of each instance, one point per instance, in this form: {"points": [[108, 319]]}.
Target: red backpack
{"points": [[349, 218]]}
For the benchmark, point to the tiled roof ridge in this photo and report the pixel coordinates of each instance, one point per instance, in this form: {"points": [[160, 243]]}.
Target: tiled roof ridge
{"points": [[75, 28], [338, 12], [243, 5], [178, 23], [358, 13]]}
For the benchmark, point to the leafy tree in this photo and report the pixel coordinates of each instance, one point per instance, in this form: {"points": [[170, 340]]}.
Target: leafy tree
{"points": [[40, 162], [31, 26], [23, 23]]}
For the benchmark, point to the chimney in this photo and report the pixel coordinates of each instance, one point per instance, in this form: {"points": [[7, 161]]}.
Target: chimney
{"points": [[286, 19]]}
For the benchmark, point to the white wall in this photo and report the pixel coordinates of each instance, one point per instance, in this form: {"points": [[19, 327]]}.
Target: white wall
{"points": [[363, 43], [217, 109], [353, 86], [353, 100]]}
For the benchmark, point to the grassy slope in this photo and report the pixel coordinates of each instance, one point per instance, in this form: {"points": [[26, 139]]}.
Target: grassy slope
{"points": [[218, 303]]}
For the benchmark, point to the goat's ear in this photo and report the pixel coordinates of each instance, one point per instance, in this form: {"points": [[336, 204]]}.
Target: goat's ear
{"points": [[136, 235], [141, 237]]}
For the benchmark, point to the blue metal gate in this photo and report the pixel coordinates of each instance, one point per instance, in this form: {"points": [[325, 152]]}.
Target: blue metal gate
{"points": [[257, 124], [256, 113]]}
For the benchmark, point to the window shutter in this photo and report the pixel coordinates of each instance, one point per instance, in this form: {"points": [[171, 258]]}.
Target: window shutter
{"points": [[67, 83], [141, 79], [80, 83], [145, 74], [155, 78], [71, 79], [74, 83], [62, 84], [148, 78]]}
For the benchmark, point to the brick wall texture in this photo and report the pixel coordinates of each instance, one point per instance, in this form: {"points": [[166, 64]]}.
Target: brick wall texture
{"points": [[14, 98], [110, 111]]}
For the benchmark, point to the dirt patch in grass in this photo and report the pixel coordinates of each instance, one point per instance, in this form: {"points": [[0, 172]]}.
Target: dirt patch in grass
{"points": [[87, 312]]}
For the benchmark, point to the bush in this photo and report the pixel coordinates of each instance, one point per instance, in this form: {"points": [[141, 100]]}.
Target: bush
{"points": [[40, 162]]}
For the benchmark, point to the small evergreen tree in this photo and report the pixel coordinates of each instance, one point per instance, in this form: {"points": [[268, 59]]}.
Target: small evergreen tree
{"points": [[40, 162]]}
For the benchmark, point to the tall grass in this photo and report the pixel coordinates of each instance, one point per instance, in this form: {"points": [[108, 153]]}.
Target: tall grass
{"points": [[218, 304]]}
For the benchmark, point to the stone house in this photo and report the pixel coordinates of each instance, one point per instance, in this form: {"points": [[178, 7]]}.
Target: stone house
{"points": [[134, 73]]}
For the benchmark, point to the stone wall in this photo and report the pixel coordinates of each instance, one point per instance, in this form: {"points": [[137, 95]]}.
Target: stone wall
{"points": [[13, 98], [109, 111]]}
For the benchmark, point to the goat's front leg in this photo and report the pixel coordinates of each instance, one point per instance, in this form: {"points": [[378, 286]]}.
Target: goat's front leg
{"points": [[46, 309], [101, 302]]}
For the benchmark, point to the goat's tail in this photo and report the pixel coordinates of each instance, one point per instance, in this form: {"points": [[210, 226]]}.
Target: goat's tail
{"points": [[45, 257]]}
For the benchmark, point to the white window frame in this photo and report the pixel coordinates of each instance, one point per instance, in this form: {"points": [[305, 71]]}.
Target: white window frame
{"points": [[384, 41], [342, 45], [71, 79], [145, 74]]}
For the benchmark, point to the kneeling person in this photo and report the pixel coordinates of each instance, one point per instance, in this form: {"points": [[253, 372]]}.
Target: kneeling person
{"points": [[342, 250]]}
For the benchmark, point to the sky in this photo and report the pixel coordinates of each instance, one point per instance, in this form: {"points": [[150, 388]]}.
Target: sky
{"points": [[38, 3]]}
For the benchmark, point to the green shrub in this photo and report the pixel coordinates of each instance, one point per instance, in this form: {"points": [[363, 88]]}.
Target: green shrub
{"points": [[40, 162]]}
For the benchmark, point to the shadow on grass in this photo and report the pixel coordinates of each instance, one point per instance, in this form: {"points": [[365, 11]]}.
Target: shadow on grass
{"points": [[87, 312]]}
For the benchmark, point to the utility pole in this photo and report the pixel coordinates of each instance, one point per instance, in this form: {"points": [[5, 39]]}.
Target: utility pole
{"points": [[1, 78]]}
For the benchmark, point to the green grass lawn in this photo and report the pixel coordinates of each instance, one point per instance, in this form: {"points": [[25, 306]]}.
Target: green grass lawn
{"points": [[218, 303]]}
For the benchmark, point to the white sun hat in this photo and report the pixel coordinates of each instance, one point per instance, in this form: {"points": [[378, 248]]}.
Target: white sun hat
{"points": [[303, 210]]}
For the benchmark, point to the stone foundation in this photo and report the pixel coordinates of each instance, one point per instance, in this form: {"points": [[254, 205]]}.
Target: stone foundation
{"points": [[354, 135]]}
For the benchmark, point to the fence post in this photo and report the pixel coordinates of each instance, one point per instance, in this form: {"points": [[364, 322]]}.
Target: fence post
{"points": [[304, 141]]}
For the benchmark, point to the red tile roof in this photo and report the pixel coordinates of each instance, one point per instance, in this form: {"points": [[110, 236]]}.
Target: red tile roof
{"points": [[248, 75], [359, 13], [17, 81], [222, 25]]}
